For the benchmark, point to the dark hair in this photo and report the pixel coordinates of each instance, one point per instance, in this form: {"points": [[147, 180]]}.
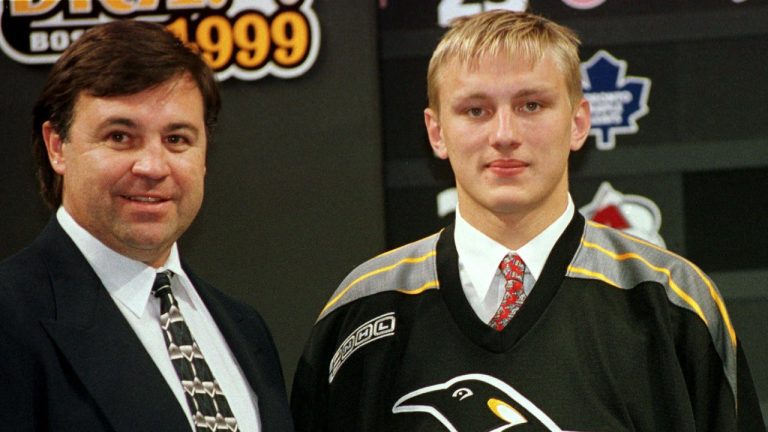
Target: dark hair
{"points": [[114, 59]]}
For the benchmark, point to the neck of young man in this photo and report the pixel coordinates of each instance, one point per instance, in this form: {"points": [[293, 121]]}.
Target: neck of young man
{"points": [[516, 227]]}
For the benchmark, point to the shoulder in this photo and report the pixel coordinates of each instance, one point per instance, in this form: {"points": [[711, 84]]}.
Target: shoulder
{"points": [[32, 262], [30, 258], [26, 288], [626, 262], [23, 264], [23, 281], [410, 269]]}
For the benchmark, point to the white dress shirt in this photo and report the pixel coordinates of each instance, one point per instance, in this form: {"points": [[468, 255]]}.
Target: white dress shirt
{"points": [[129, 283], [479, 258]]}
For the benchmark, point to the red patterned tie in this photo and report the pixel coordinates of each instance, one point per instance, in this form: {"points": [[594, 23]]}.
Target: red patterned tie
{"points": [[513, 269]]}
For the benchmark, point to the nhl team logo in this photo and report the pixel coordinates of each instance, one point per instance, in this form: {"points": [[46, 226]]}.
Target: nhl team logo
{"points": [[475, 402], [616, 100], [633, 214]]}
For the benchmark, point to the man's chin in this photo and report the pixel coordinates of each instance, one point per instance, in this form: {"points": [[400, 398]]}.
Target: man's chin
{"points": [[147, 247]]}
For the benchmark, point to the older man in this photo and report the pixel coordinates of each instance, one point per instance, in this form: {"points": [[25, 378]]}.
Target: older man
{"points": [[102, 325]]}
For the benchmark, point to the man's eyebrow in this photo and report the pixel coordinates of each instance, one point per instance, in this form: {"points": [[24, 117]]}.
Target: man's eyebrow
{"points": [[534, 91], [131, 124], [118, 121], [472, 96], [525, 92], [182, 126]]}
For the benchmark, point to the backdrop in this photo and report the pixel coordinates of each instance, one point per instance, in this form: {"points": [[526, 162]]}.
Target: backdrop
{"points": [[311, 175]]}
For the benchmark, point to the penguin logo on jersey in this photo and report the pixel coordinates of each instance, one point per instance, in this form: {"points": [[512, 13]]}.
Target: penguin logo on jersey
{"points": [[476, 402]]}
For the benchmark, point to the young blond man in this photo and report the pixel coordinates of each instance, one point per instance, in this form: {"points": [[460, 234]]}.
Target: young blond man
{"points": [[520, 316]]}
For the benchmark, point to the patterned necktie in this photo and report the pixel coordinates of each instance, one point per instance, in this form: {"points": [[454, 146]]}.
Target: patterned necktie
{"points": [[513, 269], [210, 410]]}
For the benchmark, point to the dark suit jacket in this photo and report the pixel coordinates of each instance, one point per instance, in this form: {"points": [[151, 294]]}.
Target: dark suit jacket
{"points": [[69, 361]]}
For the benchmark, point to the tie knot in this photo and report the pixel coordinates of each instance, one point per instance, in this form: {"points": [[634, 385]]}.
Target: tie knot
{"points": [[162, 285], [512, 266]]}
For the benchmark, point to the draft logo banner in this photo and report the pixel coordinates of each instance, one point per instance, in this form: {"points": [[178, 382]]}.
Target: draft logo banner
{"points": [[244, 39], [616, 100]]}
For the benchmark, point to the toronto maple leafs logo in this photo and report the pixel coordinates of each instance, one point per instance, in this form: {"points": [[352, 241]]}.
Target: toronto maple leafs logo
{"points": [[617, 100]]}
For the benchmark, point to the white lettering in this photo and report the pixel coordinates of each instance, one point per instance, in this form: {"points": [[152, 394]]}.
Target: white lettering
{"points": [[59, 40], [608, 107], [56, 40], [38, 41], [76, 34]]}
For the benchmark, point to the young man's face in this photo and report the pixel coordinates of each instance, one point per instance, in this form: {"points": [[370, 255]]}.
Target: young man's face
{"points": [[507, 127], [133, 167]]}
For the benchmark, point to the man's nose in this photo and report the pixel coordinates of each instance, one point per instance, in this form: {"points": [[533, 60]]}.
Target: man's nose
{"points": [[152, 160], [506, 132]]}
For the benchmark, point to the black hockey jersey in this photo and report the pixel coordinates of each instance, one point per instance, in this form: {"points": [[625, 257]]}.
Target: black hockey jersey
{"points": [[616, 335]]}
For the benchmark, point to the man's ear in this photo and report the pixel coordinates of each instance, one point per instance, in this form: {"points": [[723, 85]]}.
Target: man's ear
{"points": [[54, 145], [435, 133], [581, 124]]}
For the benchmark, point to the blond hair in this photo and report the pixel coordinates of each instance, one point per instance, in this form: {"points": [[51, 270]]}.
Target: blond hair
{"points": [[511, 33]]}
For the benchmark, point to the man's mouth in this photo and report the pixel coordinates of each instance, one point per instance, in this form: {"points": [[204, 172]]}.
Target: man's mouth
{"points": [[507, 164], [143, 199]]}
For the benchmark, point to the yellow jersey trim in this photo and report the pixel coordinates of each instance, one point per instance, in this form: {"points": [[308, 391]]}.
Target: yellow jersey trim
{"points": [[681, 293], [421, 289], [380, 270]]}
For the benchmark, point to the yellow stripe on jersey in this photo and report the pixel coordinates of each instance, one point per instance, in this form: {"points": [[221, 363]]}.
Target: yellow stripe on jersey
{"points": [[380, 270], [592, 274], [672, 284], [421, 289], [712, 291], [397, 249]]}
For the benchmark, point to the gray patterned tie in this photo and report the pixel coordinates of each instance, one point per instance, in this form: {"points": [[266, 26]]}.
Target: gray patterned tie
{"points": [[210, 410]]}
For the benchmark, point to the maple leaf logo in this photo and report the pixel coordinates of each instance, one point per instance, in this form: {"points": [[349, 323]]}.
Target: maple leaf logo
{"points": [[616, 100]]}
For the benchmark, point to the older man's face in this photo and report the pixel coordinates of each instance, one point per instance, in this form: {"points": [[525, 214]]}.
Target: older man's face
{"points": [[133, 167]]}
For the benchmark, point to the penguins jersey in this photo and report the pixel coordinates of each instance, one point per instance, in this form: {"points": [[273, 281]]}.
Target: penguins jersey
{"points": [[616, 335]]}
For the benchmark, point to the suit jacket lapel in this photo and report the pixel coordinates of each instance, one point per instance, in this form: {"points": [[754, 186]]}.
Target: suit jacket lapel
{"points": [[102, 348], [262, 370]]}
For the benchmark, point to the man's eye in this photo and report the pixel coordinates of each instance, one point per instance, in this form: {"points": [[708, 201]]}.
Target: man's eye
{"points": [[117, 137], [176, 139], [531, 106], [475, 112]]}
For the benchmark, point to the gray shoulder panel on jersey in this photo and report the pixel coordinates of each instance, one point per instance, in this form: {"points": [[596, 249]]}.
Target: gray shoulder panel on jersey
{"points": [[410, 269], [624, 262]]}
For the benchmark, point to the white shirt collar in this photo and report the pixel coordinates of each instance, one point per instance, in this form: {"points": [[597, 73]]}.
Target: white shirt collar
{"points": [[127, 280], [480, 255]]}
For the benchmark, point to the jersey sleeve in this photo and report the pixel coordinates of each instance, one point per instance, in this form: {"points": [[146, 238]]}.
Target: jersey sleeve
{"points": [[750, 417], [308, 398]]}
